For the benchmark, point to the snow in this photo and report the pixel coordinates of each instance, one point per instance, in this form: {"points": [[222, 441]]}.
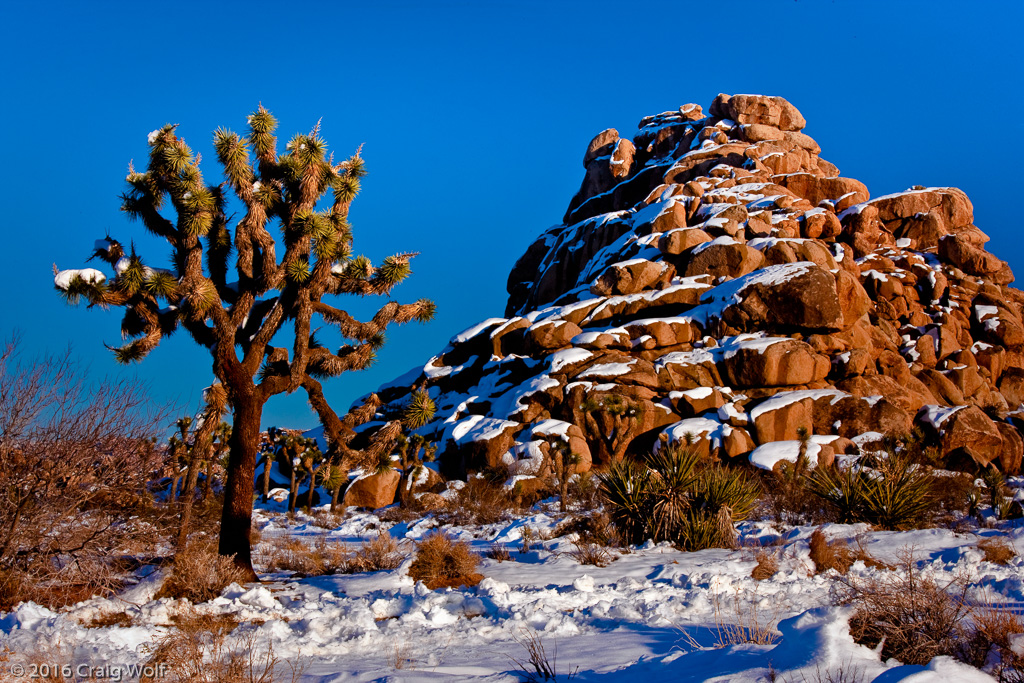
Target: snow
{"points": [[63, 279], [936, 415], [767, 455], [473, 331], [649, 615], [607, 370], [152, 136], [786, 398]]}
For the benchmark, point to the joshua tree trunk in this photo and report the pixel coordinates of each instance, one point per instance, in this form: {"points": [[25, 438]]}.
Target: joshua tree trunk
{"points": [[268, 460], [208, 483], [202, 448], [174, 488], [236, 521], [335, 495], [293, 491], [312, 485]]}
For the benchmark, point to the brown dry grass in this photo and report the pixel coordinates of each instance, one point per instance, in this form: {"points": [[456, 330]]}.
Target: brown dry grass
{"points": [[203, 648], [442, 562], [289, 553], [997, 550], [381, 553], [917, 617], [585, 552], [480, 501], [199, 573], [109, 619], [500, 553], [825, 555], [767, 565]]}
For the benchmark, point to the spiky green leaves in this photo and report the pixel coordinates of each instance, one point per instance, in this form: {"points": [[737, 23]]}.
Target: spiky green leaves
{"points": [[383, 463], [427, 310], [297, 270], [233, 154], [74, 284], [393, 270], [355, 167], [161, 284], [261, 132], [346, 188], [419, 410], [130, 353]]}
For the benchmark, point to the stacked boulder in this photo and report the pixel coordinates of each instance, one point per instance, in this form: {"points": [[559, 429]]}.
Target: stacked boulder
{"points": [[715, 277]]}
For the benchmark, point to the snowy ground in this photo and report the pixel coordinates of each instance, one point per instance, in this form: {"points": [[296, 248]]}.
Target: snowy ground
{"points": [[649, 615]]}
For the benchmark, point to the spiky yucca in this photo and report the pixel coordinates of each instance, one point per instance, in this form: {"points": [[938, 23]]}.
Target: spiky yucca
{"points": [[896, 495], [236, 304], [677, 498]]}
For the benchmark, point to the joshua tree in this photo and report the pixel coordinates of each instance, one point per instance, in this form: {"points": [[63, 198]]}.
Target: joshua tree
{"points": [[563, 464], [614, 420], [199, 447], [221, 436], [234, 306]]}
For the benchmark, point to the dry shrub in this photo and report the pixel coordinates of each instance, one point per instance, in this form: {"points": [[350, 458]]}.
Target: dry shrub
{"points": [[825, 556], [109, 619], [480, 501], [382, 553], [325, 519], [767, 565], [75, 460], [993, 627], [590, 553], [744, 623], [12, 588], [539, 665], [594, 527], [199, 573], [442, 562], [918, 617], [584, 493], [499, 552], [200, 649], [293, 554], [997, 550]]}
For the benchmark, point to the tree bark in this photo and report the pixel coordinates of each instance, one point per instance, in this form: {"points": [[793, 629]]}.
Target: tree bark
{"points": [[268, 460], [236, 521], [189, 495]]}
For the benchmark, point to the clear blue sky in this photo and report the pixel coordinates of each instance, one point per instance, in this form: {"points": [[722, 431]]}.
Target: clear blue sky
{"points": [[475, 117]]}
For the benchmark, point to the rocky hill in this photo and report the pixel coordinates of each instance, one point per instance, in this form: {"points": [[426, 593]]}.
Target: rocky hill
{"points": [[714, 276]]}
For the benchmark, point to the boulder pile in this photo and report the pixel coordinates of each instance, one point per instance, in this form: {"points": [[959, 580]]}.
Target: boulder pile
{"points": [[715, 277]]}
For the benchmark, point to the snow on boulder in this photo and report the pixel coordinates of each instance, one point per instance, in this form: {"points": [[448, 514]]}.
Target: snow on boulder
{"points": [[476, 442], [767, 456]]}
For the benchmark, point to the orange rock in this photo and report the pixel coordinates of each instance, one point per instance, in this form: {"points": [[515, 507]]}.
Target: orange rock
{"points": [[373, 491], [730, 260]]}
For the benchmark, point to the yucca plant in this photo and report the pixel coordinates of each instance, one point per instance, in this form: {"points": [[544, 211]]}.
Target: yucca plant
{"points": [[901, 497], [896, 495], [626, 488], [240, 286], [677, 499]]}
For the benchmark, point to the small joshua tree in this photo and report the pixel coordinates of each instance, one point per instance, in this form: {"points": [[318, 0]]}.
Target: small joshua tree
{"points": [[563, 464], [234, 288], [198, 447], [614, 420]]}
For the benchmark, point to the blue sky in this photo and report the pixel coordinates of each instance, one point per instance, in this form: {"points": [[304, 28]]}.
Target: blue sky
{"points": [[475, 117]]}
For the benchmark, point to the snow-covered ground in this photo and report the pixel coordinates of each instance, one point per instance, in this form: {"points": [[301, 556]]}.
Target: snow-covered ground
{"points": [[651, 614]]}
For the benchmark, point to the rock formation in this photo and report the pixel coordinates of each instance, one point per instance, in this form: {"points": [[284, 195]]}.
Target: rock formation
{"points": [[714, 276]]}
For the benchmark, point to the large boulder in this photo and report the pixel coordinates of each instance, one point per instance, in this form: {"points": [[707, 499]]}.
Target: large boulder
{"points": [[373, 491], [769, 111], [970, 440], [774, 362], [724, 257], [801, 295]]}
